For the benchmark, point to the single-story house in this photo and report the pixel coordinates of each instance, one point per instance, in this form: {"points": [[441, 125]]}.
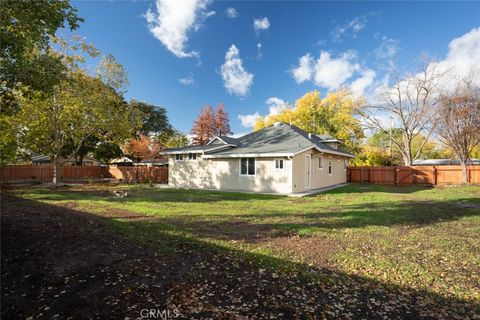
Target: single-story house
{"points": [[38, 159], [121, 162], [163, 163], [280, 159], [442, 162]]}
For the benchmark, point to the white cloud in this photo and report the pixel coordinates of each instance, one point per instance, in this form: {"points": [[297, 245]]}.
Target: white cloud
{"points": [[332, 72], [259, 51], [462, 58], [187, 80], [248, 120], [366, 79], [461, 61], [173, 20], [236, 79], [353, 26], [276, 105], [261, 24], [231, 12], [304, 70], [387, 49]]}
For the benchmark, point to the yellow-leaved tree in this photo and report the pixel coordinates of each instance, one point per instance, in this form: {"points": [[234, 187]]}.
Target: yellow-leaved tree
{"points": [[336, 115]]}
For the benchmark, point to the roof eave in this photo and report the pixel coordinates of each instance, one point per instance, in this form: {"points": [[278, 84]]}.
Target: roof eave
{"points": [[248, 155], [166, 152], [325, 151]]}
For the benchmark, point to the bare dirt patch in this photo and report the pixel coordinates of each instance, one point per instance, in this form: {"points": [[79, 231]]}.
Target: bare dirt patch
{"points": [[61, 263], [313, 250]]}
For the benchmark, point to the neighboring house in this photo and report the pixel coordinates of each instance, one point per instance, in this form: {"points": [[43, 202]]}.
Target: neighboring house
{"points": [[41, 159], [442, 162], [153, 163], [279, 159], [122, 162]]}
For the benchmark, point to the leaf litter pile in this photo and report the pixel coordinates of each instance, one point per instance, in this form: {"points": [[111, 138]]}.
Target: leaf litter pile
{"points": [[59, 263]]}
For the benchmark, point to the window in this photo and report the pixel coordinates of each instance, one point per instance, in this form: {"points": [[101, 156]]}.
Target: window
{"points": [[192, 156], [279, 164], [320, 162], [179, 157], [247, 166], [330, 168]]}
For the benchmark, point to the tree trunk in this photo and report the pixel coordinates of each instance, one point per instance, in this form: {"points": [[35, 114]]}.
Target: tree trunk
{"points": [[79, 160], [57, 170], [464, 171]]}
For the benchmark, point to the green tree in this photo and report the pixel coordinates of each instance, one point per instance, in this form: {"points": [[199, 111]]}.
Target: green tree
{"points": [[335, 115], [425, 150], [113, 74], [371, 156], [172, 139], [106, 151], [26, 27], [80, 107], [153, 118]]}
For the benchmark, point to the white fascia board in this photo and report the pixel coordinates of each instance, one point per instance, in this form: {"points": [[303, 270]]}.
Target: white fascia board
{"points": [[180, 152], [248, 155], [166, 152], [325, 151], [220, 147], [335, 152], [215, 138]]}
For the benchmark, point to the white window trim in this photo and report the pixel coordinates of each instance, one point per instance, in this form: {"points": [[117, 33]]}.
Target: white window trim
{"points": [[275, 165], [240, 167], [180, 154], [330, 165], [193, 154], [323, 164]]}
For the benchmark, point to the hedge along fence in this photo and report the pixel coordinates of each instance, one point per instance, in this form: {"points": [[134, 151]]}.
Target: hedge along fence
{"points": [[407, 175], [13, 174]]}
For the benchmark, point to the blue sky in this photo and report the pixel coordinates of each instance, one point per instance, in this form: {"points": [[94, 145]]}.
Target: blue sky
{"points": [[183, 55]]}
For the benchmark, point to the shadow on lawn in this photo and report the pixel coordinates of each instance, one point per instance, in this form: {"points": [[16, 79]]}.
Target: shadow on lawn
{"points": [[202, 279], [246, 226], [367, 188], [144, 193]]}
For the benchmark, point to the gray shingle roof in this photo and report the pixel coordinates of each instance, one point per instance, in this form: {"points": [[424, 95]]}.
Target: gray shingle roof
{"points": [[278, 139]]}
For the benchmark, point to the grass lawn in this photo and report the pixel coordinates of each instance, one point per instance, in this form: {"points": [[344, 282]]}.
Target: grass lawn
{"points": [[356, 252], [411, 237]]}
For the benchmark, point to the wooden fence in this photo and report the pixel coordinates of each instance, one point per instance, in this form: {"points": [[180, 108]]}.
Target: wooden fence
{"points": [[404, 175], [26, 174]]}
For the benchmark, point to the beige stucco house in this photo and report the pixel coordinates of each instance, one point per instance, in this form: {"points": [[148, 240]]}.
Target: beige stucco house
{"points": [[279, 159]]}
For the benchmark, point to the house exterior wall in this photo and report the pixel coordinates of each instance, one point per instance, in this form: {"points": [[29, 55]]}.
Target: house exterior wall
{"points": [[224, 174], [319, 177]]}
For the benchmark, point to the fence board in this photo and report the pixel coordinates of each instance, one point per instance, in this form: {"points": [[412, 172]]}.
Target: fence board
{"points": [[13, 174], [405, 175]]}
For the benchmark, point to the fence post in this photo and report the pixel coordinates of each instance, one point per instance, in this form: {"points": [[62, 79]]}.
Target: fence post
{"points": [[395, 176], [434, 175], [361, 174], [136, 174]]}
